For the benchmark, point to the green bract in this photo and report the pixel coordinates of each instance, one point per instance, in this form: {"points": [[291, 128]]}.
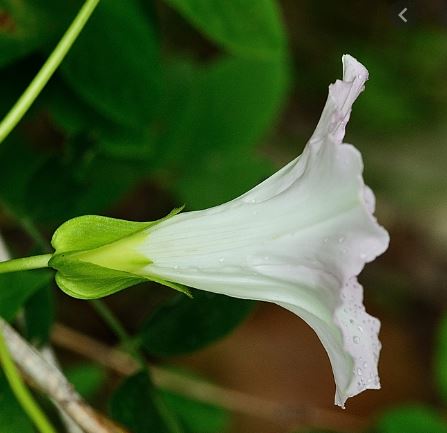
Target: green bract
{"points": [[96, 256]]}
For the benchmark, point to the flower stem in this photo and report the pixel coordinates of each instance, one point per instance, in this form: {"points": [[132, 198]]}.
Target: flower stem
{"points": [[41, 79], [112, 321], [116, 326], [25, 263], [131, 346], [21, 392], [33, 232]]}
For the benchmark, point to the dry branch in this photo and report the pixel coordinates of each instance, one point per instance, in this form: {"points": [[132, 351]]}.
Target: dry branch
{"points": [[283, 414], [48, 378]]}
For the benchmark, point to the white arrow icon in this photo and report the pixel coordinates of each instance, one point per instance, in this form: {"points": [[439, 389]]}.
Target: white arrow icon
{"points": [[401, 15]]}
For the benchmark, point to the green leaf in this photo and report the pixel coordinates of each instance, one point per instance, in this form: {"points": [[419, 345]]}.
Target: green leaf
{"points": [[250, 28], [221, 177], [114, 64], [87, 183], [212, 126], [136, 405], [17, 287], [184, 325], [77, 119], [99, 162], [27, 25], [230, 116], [18, 164], [411, 419], [13, 80], [106, 180], [86, 378], [51, 191], [128, 144], [12, 417], [39, 316], [70, 114], [440, 359], [195, 416]]}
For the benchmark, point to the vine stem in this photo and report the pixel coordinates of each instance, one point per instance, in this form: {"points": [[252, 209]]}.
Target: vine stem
{"points": [[33, 232], [134, 351], [25, 263], [112, 321], [116, 326], [41, 79], [21, 392]]}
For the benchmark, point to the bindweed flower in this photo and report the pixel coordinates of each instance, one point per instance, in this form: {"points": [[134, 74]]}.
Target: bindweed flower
{"points": [[299, 239]]}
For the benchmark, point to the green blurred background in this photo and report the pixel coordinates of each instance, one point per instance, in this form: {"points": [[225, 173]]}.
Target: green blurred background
{"points": [[163, 103]]}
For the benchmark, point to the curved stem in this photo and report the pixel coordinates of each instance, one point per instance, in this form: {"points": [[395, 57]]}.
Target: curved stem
{"points": [[33, 232], [134, 351], [21, 392], [25, 263], [41, 79], [112, 321], [115, 325]]}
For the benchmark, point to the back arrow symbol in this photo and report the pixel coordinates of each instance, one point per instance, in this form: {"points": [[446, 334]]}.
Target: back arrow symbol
{"points": [[401, 15]]}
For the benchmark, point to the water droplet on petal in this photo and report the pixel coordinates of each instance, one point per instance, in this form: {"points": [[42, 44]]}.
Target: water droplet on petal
{"points": [[341, 239], [356, 339], [221, 260]]}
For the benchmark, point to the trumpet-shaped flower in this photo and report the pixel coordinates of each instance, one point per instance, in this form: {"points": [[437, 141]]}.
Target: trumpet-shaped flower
{"points": [[299, 239]]}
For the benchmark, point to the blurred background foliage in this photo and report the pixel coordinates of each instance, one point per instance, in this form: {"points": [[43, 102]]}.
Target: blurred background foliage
{"points": [[161, 103]]}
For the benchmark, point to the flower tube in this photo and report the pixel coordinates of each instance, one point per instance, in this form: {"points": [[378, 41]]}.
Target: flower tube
{"points": [[299, 239]]}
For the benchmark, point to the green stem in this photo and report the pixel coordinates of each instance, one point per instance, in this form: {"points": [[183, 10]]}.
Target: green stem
{"points": [[21, 392], [25, 263], [41, 79], [115, 325], [30, 228], [131, 346], [109, 317]]}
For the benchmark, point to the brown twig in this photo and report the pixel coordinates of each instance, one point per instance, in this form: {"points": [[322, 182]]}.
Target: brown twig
{"points": [[47, 378], [71, 427], [283, 414]]}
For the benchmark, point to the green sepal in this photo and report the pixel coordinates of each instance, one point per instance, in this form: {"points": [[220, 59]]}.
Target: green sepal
{"points": [[85, 280], [93, 231], [80, 238]]}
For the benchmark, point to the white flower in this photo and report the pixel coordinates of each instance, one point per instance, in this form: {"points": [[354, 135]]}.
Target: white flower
{"points": [[299, 239]]}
